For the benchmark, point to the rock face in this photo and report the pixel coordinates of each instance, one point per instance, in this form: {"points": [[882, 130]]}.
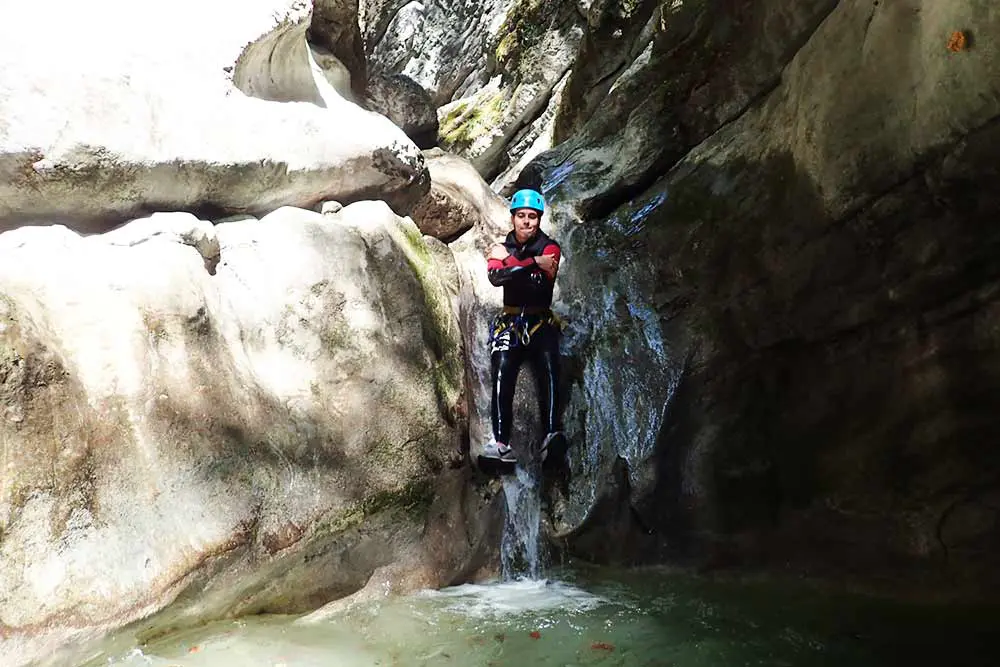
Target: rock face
{"points": [[492, 67], [783, 292], [533, 49], [181, 445], [440, 47], [168, 120]]}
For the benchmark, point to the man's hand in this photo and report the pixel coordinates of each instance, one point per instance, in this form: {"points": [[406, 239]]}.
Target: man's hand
{"points": [[548, 264], [498, 251]]}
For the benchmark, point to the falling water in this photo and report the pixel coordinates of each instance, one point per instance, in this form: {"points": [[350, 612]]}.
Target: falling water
{"points": [[520, 549]]}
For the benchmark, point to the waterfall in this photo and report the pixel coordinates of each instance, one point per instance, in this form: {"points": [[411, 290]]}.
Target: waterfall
{"points": [[522, 548], [521, 553]]}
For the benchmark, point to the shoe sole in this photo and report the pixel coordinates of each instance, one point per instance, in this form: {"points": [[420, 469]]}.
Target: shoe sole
{"points": [[490, 464]]}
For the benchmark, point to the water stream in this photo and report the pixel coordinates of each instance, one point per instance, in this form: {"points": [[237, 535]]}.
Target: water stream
{"points": [[521, 549]]}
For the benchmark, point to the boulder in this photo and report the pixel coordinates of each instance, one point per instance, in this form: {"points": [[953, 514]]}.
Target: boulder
{"points": [[458, 200], [401, 99], [180, 118], [182, 446]]}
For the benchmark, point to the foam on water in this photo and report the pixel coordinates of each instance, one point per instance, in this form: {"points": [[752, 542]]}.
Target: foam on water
{"points": [[515, 597]]}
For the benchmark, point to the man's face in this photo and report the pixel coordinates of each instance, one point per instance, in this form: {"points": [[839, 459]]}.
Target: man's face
{"points": [[526, 222]]}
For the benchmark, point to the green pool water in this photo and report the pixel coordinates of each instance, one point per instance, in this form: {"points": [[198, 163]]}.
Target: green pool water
{"points": [[598, 617]]}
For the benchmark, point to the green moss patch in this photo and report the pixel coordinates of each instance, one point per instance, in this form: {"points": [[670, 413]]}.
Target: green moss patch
{"points": [[467, 121], [412, 500]]}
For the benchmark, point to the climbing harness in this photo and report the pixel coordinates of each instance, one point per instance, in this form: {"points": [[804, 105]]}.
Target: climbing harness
{"points": [[516, 325]]}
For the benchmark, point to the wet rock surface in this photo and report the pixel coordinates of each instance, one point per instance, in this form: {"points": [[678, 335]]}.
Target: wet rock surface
{"points": [[806, 236]]}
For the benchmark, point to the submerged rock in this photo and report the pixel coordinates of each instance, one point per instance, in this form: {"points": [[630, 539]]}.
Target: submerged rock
{"points": [[182, 446]]}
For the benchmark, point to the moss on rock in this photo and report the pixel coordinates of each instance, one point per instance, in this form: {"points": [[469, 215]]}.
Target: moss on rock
{"points": [[469, 120], [411, 499], [441, 333]]}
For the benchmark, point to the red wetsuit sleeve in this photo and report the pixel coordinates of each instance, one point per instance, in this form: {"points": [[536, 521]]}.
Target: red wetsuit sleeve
{"points": [[512, 261], [508, 262]]}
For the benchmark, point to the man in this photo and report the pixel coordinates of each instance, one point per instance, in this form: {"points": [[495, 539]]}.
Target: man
{"points": [[525, 265]]}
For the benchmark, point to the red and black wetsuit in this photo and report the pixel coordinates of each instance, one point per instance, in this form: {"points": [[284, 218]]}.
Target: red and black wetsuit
{"points": [[525, 329]]}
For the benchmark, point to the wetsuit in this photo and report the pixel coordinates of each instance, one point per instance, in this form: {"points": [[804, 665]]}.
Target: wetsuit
{"points": [[526, 329]]}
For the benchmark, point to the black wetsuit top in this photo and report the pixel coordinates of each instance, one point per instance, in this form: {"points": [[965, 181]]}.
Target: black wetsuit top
{"points": [[524, 283]]}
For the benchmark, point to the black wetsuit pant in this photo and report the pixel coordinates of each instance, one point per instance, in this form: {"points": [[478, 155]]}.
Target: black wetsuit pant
{"points": [[514, 339]]}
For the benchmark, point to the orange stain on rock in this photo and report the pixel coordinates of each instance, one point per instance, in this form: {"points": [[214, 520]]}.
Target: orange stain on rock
{"points": [[602, 646], [958, 41], [535, 634]]}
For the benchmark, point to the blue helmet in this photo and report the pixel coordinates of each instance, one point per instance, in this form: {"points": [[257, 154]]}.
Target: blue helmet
{"points": [[527, 199]]}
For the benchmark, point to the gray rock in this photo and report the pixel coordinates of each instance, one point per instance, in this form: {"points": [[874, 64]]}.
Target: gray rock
{"points": [[788, 213], [531, 51], [331, 207], [266, 438], [490, 66], [437, 46], [401, 99], [335, 30], [458, 199]]}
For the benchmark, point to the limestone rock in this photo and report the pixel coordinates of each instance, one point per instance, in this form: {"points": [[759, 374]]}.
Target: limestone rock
{"points": [[335, 30], [430, 43], [181, 446], [458, 200], [167, 119], [533, 49], [177, 227], [331, 207], [818, 185], [401, 99], [649, 87], [491, 90], [528, 143]]}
